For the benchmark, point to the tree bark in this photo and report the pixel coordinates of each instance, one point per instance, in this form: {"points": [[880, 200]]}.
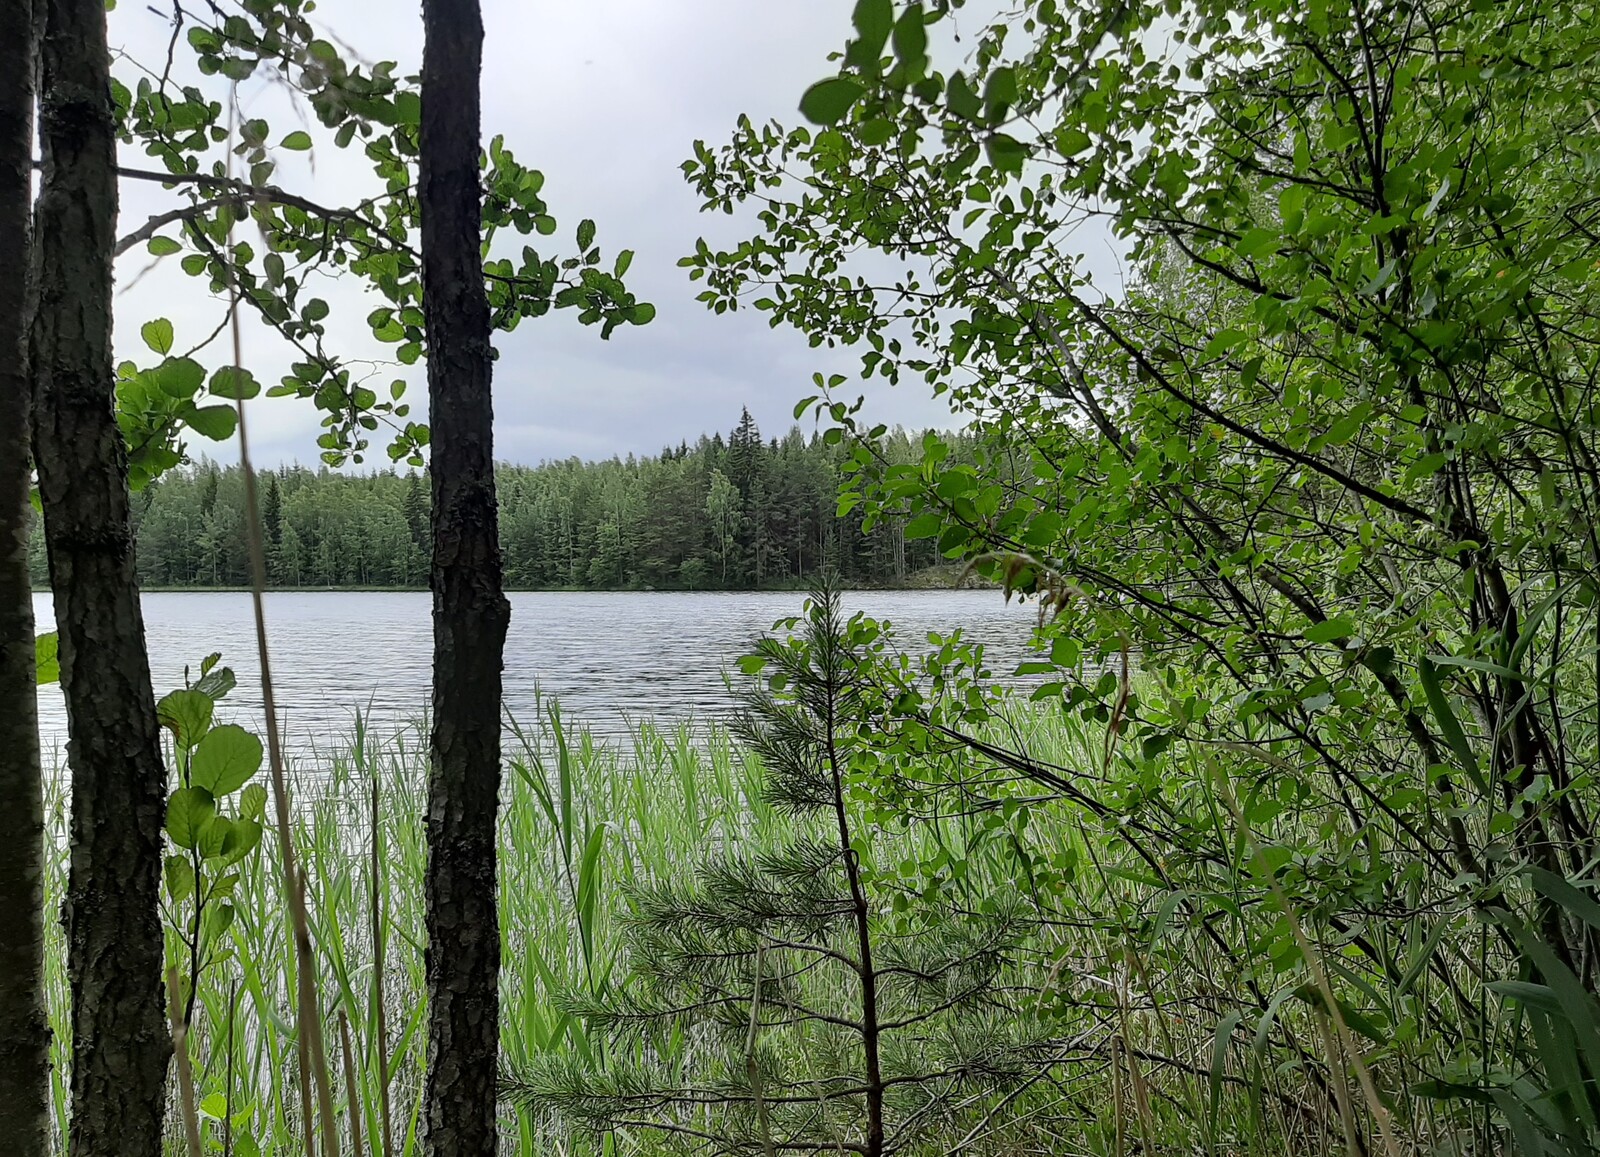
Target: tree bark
{"points": [[470, 612], [120, 1044], [24, 1030]]}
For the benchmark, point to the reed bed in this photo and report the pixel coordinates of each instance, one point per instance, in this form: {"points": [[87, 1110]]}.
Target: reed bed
{"points": [[581, 817], [1136, 991]]}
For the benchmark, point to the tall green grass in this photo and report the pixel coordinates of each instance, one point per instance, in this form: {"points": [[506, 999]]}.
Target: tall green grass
{"points": [[581, 818], [1165, 1041]]}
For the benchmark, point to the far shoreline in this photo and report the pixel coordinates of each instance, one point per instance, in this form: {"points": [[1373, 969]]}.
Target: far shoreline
{"points": [[942, 578]]}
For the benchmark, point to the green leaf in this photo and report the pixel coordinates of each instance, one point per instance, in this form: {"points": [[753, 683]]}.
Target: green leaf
{"points": [[911, 40], [234, 382], [163, 247], [244, 836], [1071, 141], [216, 683], [179, 377], [1355, 1019], [1329, 630], [225, 760], [873, 20], [1575, 900], [187, 811], [960, 99], [217, 920], [1005, 152], [1539, 996], [1579, 1010], [827, 101], [585, 234], [1000, 93], [1219, 1060], [1257, 242], [876, 131], [299, 141], [253, 801], [212, 836], [1449, 725], [46, 658], [624, 260], [187, 714], [1381, 279], [1498, 670], [179, 876], [215, 422]]}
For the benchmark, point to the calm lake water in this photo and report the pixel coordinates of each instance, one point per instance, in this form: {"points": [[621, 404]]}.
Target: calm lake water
{"points": [[607, 657]]}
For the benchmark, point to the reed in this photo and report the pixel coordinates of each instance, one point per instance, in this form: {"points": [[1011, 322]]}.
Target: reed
{"points": [[1173, 1034]]}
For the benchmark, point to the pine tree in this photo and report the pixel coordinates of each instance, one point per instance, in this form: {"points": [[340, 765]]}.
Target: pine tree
{"points": [[775, 1002]]}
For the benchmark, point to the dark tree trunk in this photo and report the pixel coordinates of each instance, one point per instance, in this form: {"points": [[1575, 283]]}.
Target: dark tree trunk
{"points": [[120, 1044], [470, 611], [24, 1032]]}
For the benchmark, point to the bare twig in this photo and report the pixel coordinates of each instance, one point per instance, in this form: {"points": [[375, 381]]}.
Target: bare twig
{"points": [[161, 220]]}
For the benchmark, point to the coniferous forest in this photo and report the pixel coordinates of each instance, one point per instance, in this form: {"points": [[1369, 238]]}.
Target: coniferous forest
{"points": [[731, 512]]}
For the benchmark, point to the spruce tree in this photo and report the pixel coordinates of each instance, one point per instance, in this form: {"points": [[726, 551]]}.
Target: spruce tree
{"points": [[744, 454], [776, 1002], [208, 496], [415, 505], [272, 512]]}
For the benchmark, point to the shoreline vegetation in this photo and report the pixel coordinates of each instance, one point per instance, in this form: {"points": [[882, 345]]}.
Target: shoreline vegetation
{"points": [[947, 577], [607, 821]]}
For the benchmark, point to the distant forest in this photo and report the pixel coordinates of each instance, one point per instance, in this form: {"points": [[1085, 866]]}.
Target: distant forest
{"points": [[732, 513]]}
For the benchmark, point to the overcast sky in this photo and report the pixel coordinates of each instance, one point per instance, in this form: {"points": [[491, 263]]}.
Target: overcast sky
{"points": [[606, 97]]}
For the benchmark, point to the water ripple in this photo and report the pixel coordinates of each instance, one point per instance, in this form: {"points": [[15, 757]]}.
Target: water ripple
{"points": [[607, 656]]}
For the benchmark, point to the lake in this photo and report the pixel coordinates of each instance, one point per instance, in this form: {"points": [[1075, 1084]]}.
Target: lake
{"points": [[608, 657]]}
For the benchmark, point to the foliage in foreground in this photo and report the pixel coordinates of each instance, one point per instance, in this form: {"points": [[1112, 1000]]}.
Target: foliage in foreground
{"points": [[809, 1020], [1325, 457], [1072, 1012], [1041, 977]]}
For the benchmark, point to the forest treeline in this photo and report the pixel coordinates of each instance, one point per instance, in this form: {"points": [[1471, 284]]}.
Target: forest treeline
{"points": [[726, 512]]}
